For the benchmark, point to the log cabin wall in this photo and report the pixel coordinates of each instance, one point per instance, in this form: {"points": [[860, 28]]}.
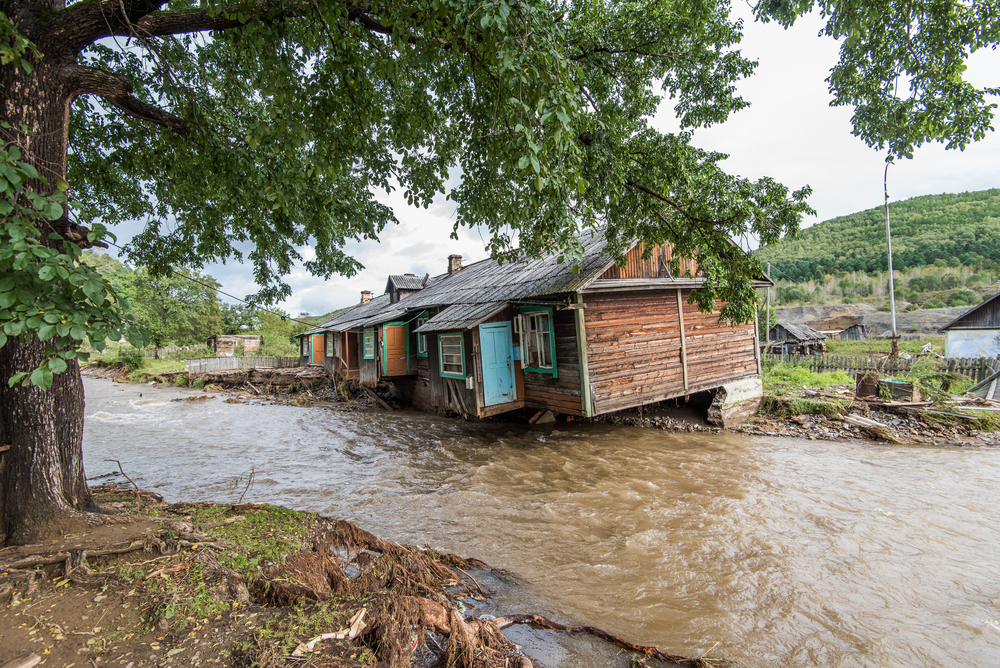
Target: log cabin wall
{"points": [[368, 369], [634, 349], [651, 267], [451, 393], [560, 394]]}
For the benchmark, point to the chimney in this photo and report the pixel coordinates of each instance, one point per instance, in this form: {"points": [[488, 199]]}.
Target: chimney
{"points": [[366, 296], [454, 263]]}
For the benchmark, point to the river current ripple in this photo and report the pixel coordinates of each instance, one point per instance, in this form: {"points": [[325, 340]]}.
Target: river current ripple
{"points": [[786, 552]]}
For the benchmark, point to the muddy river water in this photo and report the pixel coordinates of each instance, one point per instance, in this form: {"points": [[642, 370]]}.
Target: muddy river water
{"points": [[785, 552]]}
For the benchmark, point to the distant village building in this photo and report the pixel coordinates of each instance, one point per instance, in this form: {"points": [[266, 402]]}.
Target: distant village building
{"points": [[486, 338], [975, 333], [226, 344], [795, 339], [858, 332]]}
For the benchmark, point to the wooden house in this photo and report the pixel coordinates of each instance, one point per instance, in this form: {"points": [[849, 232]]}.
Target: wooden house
{"points": [[227, 344], [489, 338], [975, 333], [795, 339]]}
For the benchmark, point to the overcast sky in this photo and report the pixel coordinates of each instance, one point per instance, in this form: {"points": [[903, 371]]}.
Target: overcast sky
{"points": [[790, 133]]}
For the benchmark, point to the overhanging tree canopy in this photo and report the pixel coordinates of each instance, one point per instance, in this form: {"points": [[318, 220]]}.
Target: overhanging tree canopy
{"points": [[268, 124]]}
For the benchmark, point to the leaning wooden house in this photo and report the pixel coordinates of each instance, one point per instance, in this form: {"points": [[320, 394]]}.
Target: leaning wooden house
{"points": [[489, 338], [795, 339]]}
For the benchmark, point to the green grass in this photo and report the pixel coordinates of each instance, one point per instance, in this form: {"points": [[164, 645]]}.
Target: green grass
{"points": [[778, 377], [882, 346]]}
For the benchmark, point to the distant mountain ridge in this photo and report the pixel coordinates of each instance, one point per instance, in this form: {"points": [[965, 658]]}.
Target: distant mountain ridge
{"points": [[932, 230]]}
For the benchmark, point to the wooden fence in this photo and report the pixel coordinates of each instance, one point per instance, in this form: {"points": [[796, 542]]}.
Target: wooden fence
{"points": [[202, 364], [976, 368]]}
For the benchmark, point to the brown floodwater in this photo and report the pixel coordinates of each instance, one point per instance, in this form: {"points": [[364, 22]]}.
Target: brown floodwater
{"points": [[784, 551]]}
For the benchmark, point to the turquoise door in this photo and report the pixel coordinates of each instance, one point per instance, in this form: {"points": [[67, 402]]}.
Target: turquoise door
{"points": [[498, 362]]}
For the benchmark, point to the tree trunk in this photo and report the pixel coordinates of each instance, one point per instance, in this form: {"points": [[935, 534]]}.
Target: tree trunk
{"points": [[42, 483]]}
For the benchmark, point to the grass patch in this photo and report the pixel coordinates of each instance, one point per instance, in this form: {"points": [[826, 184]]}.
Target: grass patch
{"points": [[782, 407], [778, 377], [880, 347], [267, 536]]}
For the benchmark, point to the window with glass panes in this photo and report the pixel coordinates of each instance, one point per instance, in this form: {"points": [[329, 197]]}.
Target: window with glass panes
{"points": [[421, 338], [369, 342], [451, 355], [537, 343]]}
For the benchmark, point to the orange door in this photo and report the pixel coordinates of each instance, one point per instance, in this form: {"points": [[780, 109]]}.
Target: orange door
{"points": [[317, 348], [395, 350]]}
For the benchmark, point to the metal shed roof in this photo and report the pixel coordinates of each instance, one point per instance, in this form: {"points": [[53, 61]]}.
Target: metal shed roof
{"points": [[461, 317], [801, 332]]}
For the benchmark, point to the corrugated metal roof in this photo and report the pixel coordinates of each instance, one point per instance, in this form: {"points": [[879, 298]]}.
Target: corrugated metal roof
{"points": [[392, 312], [461, 317], [406, 282], [801, 332], [354, 317], [489, 281]]}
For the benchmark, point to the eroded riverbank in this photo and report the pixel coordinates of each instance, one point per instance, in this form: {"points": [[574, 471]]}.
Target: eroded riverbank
{"points": [[787, 551]]}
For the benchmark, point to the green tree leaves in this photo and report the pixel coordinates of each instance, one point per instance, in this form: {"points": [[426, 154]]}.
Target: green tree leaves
{"points": [[46, 292]]}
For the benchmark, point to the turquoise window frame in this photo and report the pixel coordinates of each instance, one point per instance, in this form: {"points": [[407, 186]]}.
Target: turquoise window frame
{"points": [[552, 339], [440, 342], [425, 316], [369, 343], [385, 357]]}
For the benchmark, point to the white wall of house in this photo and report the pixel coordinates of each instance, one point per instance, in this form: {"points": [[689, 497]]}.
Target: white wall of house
{"points": [[972, 343]]}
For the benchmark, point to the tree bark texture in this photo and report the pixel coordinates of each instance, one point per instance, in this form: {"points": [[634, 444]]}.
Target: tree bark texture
{"points": [[42, 483]]}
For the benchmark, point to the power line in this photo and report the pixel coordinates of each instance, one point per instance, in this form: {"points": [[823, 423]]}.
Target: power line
{"points": [[222, 292]]}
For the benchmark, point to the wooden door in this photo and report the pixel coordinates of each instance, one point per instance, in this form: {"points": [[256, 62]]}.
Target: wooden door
{"points": [[498, 363], [318, 348], [396, 350]]}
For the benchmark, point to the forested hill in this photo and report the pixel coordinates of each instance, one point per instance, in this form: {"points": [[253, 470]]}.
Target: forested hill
{"points": [[952, 230]]}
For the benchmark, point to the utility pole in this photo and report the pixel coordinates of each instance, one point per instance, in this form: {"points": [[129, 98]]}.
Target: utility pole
{"points": [[892, 285], [767, 317]]}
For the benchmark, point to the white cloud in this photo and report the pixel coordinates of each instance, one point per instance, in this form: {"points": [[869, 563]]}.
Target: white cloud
{"points": [[790, 133]]}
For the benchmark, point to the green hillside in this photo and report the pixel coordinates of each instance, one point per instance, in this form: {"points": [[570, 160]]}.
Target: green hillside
{"points": [[960, 230]]}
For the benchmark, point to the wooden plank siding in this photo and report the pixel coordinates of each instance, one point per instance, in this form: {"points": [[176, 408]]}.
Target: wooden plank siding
{"points": [[651, 267], [561, 394], [450, 393], [634, 349]]}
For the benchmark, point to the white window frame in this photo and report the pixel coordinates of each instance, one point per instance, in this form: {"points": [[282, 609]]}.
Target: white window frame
{"points": [[441, 355], [526, 326]]}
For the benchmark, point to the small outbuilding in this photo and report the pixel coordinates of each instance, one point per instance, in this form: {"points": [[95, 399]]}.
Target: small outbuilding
{"points": [[226, 344], [975, 333], [795, 339], [858, 332]]}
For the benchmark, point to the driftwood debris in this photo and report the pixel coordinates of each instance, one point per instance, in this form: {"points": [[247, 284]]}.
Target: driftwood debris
{"points": [[648, 650], [24, 661], [377, 398]]}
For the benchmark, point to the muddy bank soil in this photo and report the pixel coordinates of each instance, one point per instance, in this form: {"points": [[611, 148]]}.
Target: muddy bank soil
{"points": [[201, 584]]}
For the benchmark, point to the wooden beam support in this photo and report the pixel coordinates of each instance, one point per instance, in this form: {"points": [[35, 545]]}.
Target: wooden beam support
{"points": [[684, 354], [586, 408]]}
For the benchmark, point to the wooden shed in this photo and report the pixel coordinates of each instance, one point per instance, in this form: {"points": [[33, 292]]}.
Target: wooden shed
{"points": [[858, 332], [489, 338], [795, 339], [975, 333]]}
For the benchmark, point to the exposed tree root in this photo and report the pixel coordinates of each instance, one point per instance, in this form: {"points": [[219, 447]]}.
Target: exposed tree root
{"points": [[652, 652]]}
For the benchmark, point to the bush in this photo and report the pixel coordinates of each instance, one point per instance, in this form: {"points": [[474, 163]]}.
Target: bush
{"points": [[181, 380], [132, 358], [198, 382], [962, 298], [934, 303]]}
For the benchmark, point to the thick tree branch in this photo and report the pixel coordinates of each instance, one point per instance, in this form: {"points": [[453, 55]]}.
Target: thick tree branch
{"points": [[82, 24], [116, 89]]}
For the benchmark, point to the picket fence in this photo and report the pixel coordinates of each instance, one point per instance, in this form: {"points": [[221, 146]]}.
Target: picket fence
{"points": [[976, 368], [202, 364]]}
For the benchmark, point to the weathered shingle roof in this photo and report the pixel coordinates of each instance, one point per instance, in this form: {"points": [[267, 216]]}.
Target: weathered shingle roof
{"points": [[461, 317], [801, 332], [353, 317], [489, 281], [406, 282]]}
